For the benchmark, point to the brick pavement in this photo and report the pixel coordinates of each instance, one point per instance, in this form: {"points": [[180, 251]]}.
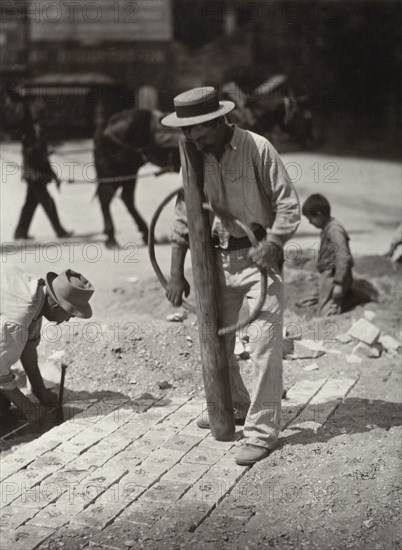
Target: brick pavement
{"points": [[123, 471]]}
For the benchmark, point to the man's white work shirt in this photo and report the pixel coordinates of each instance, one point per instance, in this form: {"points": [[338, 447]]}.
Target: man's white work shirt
{"points": [[22, 298], [251, 182]]}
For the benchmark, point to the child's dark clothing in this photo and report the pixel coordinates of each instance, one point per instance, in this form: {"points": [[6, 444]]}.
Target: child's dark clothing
{"points": [[334, 264]]}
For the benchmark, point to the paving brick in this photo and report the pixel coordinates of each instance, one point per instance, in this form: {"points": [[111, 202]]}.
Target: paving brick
{"points": [[203, 455], [98, 516], [22, 481], [167, 456], [92, 459], [210, 442], [154, 438], [70, 475], [14, 516], [134, 454], [145, 512], [182, 442], [184, 516], [185, 472], [58, 514], [78, 497], [321, 405], [389, 343], [305, 349], [148, 471], [343, 338], [192, 429], [165, 491], [216, 483], [55, 459], [298, 396], [365, 331], [110, 504], [132, 432], [25, 538], [22, 458]]}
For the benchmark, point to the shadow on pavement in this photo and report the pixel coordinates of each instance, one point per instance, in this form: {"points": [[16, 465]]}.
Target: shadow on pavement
{"points": [[354, 415]]}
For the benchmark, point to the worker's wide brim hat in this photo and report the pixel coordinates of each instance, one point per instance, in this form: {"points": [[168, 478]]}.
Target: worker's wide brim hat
{"points": [[71, 291], [197, 106]]}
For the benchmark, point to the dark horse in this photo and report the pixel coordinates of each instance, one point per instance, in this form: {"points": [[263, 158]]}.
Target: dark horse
{"points": [[127, 141]]}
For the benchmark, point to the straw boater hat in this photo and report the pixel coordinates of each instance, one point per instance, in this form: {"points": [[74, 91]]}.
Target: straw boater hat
{"points": [[71, 291], [196, 106]]}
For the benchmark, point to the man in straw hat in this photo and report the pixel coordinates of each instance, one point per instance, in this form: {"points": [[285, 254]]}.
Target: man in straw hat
{"points": [[24, 301], [244, 175]]}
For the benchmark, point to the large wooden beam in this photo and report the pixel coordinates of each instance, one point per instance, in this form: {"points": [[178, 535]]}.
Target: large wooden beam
{"points": [[213, 350]]}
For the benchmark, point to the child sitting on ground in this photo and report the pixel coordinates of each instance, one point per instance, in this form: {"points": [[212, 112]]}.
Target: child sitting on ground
{"points": [[334, 262]]}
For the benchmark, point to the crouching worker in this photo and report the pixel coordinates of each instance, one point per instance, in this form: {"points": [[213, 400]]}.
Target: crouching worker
{"points": [[25, 299], [334, 262]]}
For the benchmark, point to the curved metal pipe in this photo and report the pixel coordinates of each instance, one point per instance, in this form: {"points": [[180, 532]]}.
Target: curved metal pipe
{"points": [[223, 214], [151, 245]]}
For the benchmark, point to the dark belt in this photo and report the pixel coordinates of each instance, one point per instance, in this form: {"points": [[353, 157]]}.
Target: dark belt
{"points": [[242, 242]]}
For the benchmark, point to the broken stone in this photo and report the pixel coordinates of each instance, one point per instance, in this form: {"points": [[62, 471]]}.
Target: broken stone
{"points": [[306, 349], [242, 349], [344, 338], [175, 317], [368, 523], [189, 339], [375, 352], [389, 343], [365, 331], [353, 359], [287, 347], [292, 331], [239, 348], [56, 355], [311, 367], [369, 314], [372, 352]]}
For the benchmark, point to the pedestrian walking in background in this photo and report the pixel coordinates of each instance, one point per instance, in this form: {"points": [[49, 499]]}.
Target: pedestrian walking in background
{"points": [[37, 172]]}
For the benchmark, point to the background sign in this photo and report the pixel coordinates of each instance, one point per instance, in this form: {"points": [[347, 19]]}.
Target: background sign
{"points": [[97, 21]]}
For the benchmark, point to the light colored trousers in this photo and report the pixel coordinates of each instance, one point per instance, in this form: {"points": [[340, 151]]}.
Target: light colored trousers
{"points": [[239, 277]]}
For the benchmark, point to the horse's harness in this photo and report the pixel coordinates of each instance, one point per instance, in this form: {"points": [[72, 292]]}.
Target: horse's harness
{"points": [[138, 150]]}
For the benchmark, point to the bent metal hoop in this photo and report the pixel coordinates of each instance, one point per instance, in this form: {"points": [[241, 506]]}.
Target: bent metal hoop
{"points": [[220, 212]]}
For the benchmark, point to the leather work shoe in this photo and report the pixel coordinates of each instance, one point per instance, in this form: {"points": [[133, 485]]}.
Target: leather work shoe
{"points": [[203, 422], [248, 454]]}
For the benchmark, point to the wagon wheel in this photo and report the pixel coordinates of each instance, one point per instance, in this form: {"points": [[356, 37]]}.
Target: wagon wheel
{"points": [[222, 213]]}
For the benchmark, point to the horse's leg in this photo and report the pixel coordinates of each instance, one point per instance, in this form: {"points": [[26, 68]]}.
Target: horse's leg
{"points": [[105, 193], [127, 197]]}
